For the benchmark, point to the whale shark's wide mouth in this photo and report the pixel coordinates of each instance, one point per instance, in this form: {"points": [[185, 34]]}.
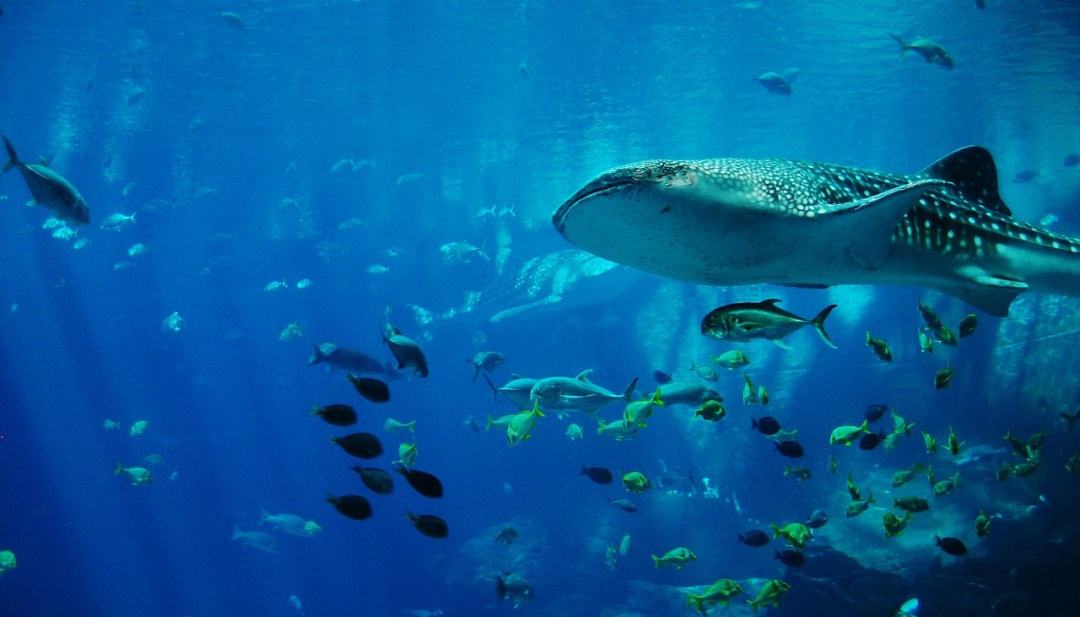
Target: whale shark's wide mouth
{"points": [[618, 179], [607, 182]]}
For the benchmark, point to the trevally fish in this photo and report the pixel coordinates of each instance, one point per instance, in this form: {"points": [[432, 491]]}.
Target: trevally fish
{"points": [[49, 188], [746, 221], [744, 321]]}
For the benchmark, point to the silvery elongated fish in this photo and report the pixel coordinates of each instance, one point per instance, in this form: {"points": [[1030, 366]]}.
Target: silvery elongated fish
{"points": [[745, 221]]}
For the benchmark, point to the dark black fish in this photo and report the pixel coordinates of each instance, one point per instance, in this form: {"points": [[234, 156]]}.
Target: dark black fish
{"points": [[952, 546], [360, 445], [661, 377], [755, 538], [338, 415], [623, 504], [767, 425], [424, 483], [1072, 160], [875, 412], [429, 525], [372, 389], [791, 558], [1024, 176], [600, 475], [869, 441], [968, 325], [790, 449], [353, 506], [375, 479]]}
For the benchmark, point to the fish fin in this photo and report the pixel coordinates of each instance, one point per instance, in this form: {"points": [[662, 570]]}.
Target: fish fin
{"points": [[584, 375], [988, 293], [628, 393], [263, 516], [13, 159], [790, 75], [903, 44], [780, 343], [316, 357], [972, 172], [870, 222], [819, 324]]}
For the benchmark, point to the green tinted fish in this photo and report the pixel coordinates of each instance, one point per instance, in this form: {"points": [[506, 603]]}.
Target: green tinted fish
{"points": [[879, 347]]}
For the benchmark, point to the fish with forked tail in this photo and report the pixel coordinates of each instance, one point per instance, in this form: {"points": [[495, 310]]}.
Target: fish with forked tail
{"points": [[745, 321]]}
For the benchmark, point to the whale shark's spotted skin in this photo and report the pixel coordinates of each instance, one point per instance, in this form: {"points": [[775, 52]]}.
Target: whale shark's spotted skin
{"points": [[735, 221]]}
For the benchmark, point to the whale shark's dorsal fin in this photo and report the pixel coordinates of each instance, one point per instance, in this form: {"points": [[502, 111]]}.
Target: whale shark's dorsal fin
{"points": [[972, 171]]}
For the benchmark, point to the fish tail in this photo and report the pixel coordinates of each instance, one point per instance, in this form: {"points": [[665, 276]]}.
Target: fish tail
{"points": [[628, 394], [476, 369], [13, 159], [119, 465], [903, 44], [819, 324], [656, 561], [500, 587]]}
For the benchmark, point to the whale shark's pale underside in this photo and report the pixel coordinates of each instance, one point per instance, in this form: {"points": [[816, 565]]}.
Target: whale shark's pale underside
{"points": [[744, 221]]}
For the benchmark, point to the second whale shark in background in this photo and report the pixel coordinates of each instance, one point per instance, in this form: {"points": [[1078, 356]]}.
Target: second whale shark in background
{"points": [[747, 221], [566, 279]]}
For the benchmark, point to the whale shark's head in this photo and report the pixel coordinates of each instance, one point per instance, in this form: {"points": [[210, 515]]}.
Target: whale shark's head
{"points": [[671, 217]]}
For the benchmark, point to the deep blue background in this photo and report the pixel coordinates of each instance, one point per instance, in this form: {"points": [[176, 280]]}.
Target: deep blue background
{"points": [[493, 103]]}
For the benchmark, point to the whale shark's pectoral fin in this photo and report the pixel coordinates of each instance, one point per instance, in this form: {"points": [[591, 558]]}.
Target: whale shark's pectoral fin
{"points": [[517, 310], [990, 293], [868, 224]]}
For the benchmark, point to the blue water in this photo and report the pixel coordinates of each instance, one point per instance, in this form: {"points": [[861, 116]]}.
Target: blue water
{"points": [[225, 141]]}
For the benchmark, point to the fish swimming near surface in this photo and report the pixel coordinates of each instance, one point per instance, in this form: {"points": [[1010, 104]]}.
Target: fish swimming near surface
{"points": [[49, 188], [745, 221]]}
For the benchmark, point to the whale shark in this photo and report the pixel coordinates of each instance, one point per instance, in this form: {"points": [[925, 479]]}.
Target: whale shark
{"points": [[805, 224], [567, 279]]}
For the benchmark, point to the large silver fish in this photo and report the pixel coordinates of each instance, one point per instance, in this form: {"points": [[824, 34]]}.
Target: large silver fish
{"points": [[49, 188], [744, 221]]}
